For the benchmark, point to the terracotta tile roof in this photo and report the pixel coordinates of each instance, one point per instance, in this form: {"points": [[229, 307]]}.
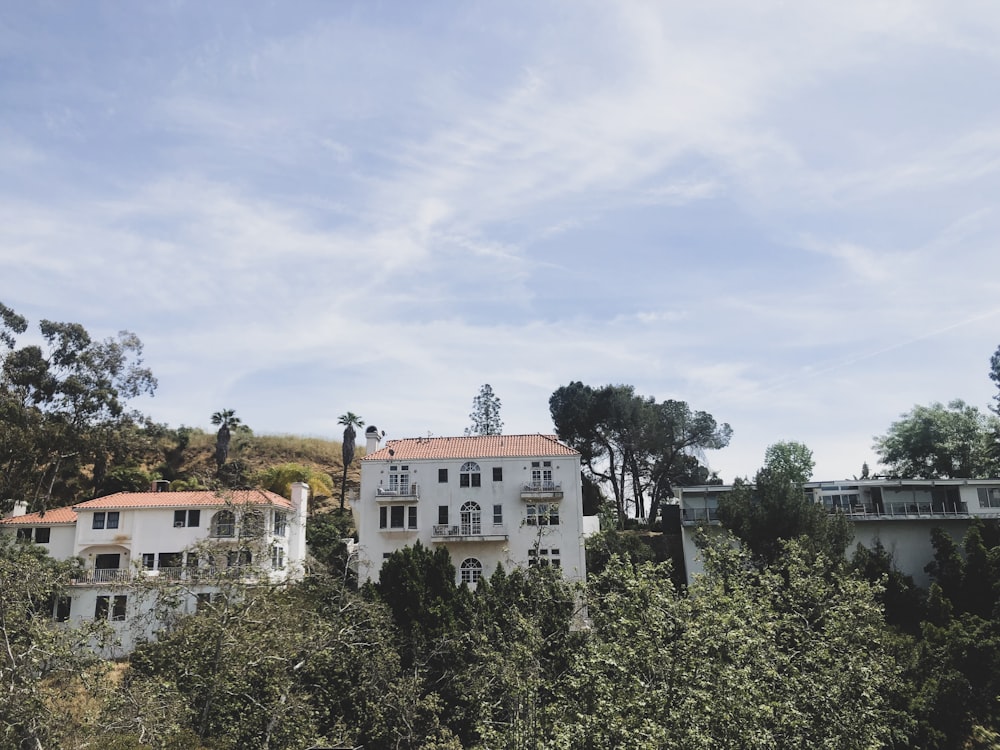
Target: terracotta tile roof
{"points": [[56, 515], [487, 446], [184, 499]]}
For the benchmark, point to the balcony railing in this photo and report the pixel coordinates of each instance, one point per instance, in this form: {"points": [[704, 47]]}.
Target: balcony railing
{"points": [[547, 488], [391, 492], [444, 531], [699, 515], [905, 510], [104, 575]]}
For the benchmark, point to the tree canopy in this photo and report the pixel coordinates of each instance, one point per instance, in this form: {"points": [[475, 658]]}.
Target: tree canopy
{"points": [[485, 414], [639, 447], [941, 442]]}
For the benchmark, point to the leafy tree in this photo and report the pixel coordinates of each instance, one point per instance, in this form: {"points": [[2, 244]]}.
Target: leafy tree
{"points": [[774, 510], [37, 656], [325, 533], [280, 479], [995, 377], [637, 446], [940, 442], [790, 458], [485, 413], [63, 409], [754, 658], [349, 420]]}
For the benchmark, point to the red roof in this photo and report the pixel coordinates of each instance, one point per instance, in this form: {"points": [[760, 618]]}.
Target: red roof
{"points": [[485, 446], [184, 499], [56, 515]]}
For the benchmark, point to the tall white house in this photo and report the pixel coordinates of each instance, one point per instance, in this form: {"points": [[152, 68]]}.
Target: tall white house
{"points": [[507, 500], [194, 540], [898, 513]]}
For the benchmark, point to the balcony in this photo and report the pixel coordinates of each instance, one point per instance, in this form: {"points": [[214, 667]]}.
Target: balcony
{"points": [[398, 493], [468, 532], [103, 576], [904, 510], [545, 490], [694, 516]]}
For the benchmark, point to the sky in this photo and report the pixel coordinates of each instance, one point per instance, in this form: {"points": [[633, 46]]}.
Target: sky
{"points": [[784, 214]]}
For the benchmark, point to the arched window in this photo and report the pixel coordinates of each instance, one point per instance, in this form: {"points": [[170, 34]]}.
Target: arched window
{"points": [[224, 523], [472, 570], [471, 517], [253, 524], [468, 475]]}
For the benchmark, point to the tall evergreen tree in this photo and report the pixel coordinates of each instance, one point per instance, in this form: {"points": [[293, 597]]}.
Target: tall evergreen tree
{"points": [[485, 413]]}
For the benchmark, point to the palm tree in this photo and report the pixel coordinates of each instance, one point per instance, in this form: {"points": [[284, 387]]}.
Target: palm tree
{"points": [[350, 420], [227, 421]]}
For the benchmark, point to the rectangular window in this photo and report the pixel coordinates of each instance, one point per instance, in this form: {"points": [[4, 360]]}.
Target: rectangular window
{"points": [[463, 479], [497, 473], [396, 516], [24, 535], [443, 476], [202, 601], [277, 558], [542, 514], [194, 518], [148, 560], [497, 515], [443, 515], [180, 518], [42, 535], [63, 604], [411, 517], [542, 557], [118, 611], [989, 497], [187, 518], [113, 519], [238, 558], [383, 517], [102, 607], [98, 521], [280, 523]]}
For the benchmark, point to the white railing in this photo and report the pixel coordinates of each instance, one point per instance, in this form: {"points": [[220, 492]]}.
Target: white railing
{"points": [[410, 490], [468, 529], [903, 509], [105, 575], [542, 486]]}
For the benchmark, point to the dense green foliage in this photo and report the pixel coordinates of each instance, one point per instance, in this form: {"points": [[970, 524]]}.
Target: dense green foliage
{"points": [[638, 447], [938, 441], [485, 414]]}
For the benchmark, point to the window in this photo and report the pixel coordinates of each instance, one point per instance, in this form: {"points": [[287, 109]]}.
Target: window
{"points": [[115, 605], [238, 558], [169, 560], [24, 535], [989, 497], [42, 535], [223, 524], [63, 604], [399, 479], [443, 476], [148, 560], [471, 570], [277, 557], [253, 523], [468, 475], [541, 475], [498, 515], [113, 519], [544, 557], [280, 523], [542, 514], [203, 601], [497, 473], [187, 518], [471, 518], [397, 517], [443, 515], [98, 521]]}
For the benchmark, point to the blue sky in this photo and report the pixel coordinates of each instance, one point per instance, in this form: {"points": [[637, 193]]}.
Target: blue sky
{"points": [[785, 214]]}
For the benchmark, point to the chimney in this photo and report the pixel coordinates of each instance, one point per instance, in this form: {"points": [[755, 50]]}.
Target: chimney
{"points": [[20, 508], [297, 527], [159, 485], [372, 438]]}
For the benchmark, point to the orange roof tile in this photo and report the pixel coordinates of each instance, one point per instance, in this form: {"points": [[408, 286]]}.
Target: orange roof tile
{"points": [[485, 446], [184, 499], [56, 515]]}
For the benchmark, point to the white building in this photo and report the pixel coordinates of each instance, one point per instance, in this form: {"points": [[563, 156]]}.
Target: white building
{"points": [[508, 500], [193, 540], [899, 513]]}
